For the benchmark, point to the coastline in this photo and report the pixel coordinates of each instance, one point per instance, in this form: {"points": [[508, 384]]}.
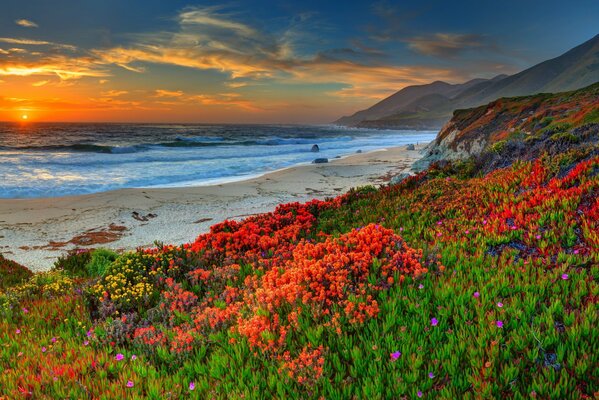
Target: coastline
{"points": [[34, 232]]}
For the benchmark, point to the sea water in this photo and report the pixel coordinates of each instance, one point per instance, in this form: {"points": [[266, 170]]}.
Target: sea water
{"points": [[52, 159]]}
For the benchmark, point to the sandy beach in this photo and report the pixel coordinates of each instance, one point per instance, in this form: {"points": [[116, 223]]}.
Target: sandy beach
{"points": [[34, 232]]}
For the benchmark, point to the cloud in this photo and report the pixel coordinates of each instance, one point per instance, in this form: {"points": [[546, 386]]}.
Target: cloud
{"points": [[26, 23], [40, 83], [210, 39], [63, 67], [114, 93], [446, 45], [32, 42], [168, 93]]}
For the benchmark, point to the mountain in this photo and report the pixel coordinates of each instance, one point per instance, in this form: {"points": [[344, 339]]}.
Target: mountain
{"points": [[430, 106], [519, 128], [405, 97]]}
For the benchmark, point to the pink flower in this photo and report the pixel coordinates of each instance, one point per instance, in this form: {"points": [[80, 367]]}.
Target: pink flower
{"points": [[395, 355], [439, 222], [499, 324], [119, 357], [434, 321], [18, 331], [565, 277], [538, 236], [133, 357], [130, 384], [439, 234], [192, 386], [85, 343], [500, 304], [576, 251], [419, 393], [25, 310], [43, 349], [466, 231], [476, 294], [89, 333], [421, 286], [53, 340]]}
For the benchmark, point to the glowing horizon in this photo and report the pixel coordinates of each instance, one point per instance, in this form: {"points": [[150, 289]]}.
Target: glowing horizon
{"points": [[193, 63]]}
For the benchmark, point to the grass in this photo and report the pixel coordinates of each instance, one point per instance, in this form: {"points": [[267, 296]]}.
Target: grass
{"points": [[449, 285]]}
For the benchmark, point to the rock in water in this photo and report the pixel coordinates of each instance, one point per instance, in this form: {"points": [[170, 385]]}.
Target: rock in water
{"points": [[320, 161], [410, 147], [315, 149], [399, 178], [359, 151]]}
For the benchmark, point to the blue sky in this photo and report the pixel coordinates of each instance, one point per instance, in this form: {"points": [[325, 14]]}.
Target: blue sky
{"points": [[262, 61]]}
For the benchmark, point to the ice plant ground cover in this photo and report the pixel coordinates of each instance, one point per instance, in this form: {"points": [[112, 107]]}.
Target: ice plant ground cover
{"points": [[448, 285]]}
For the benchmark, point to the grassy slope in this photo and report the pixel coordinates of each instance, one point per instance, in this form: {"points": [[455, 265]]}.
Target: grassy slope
{"points": [[547, 345], [320, 299]]}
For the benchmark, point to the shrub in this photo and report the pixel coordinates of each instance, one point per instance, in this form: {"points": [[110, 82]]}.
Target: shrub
{"points": [[100, 261], [12, 273], [74, 262]]}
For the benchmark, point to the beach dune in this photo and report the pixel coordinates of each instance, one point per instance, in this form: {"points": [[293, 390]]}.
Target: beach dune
{"points": [[35, 232]]}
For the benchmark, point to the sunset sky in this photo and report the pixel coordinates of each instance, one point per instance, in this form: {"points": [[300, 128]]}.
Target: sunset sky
{"points": [[261, 61]]}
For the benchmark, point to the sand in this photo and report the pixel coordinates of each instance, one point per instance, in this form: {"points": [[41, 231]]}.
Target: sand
{"points": [[34, 232]]}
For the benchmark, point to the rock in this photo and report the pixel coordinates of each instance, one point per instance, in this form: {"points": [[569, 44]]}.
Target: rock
{"points": [[359, 151], [320, 161], [399, 178], [410, 147], [315, 149]]}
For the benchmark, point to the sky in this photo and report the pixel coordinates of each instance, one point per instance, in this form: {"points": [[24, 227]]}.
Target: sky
{"points": [[261, 61]]}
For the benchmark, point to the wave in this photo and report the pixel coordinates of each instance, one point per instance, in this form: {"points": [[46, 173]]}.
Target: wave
{"points": [[197, 141]]}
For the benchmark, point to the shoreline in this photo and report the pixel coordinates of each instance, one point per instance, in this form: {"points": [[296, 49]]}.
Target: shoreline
{"points": [[36, 231]]}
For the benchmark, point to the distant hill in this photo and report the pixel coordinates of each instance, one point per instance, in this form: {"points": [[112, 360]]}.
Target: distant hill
{"points": [[519, 128], [406, 97], [430, 106]]}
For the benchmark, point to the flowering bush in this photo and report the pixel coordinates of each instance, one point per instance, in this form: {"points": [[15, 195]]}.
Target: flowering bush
{"points": [[447, 285]]}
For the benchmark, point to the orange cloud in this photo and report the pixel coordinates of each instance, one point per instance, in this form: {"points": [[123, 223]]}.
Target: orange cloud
{"points": [[26, 23]]}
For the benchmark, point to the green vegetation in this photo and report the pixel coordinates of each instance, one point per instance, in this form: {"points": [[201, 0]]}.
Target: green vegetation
{"points": [[465, 287]]}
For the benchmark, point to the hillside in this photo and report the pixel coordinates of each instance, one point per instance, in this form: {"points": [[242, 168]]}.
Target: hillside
{"points": [[404, 98], [452, 284], [519, 128], [577, 68]]}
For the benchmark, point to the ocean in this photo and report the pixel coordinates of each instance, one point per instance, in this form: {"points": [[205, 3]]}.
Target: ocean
{"points": [[51, 159]]}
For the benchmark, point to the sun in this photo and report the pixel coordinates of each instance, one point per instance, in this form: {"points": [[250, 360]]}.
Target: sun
{"points": [[24, 117]]}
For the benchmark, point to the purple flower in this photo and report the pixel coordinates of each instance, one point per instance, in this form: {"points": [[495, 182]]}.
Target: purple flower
{"points": [[192, 386], [419, 393], [421, 286], [395, 355], [434, 321], [53, 340], [119, 357], [576, 251], [85, 343], [43, 349], [18, 331], [499, 304], [476, 294], [431, 375], [499, 324], [130, 384], [133, 357], [89, 333], [565, 277]]}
